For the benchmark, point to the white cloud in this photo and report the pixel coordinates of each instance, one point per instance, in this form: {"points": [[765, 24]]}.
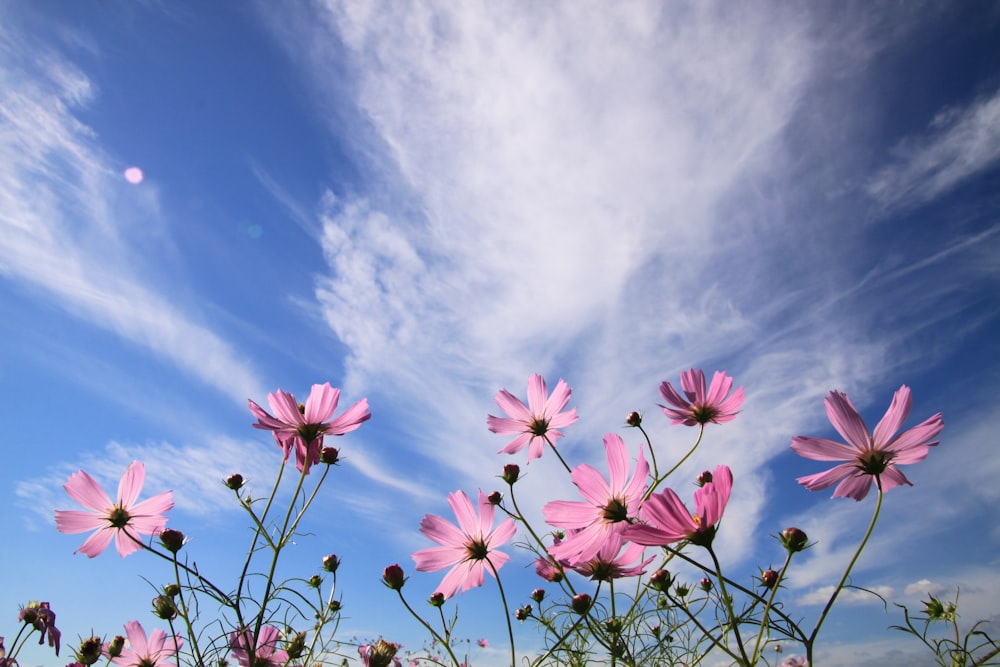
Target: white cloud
{"points": [[848, 596], [961, 142], [70, 225]]}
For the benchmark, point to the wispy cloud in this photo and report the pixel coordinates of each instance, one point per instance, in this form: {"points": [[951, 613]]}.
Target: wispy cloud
{"points": [[961, 142], [70, 222]]}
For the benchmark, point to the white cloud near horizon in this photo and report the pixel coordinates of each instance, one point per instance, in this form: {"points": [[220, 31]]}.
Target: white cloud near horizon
{"points": [[72, 227]]}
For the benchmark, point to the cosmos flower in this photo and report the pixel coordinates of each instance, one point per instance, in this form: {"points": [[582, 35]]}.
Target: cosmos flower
{"points": [[536, 423], [124, 520], [611, 562], [142, 652], [469, 548], [265, 653], [667, 520], [606, 504], [379, 654], [701, 407], [303, 426], [43, 619], [868, 456]]}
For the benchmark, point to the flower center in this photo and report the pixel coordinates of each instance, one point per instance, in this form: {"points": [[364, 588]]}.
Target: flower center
{"points": [[477, 549], [118, 517], [704, 413], [615, 511], [539, 426], [874, 462]]}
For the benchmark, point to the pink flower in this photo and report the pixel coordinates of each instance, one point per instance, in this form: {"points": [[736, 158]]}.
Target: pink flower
{"points": [[483, 643], [608, 563], [154, 652], [304, 426], [265, 653], [469, 547], [606, 505], [124, 520], [868, 456], [794, 661], [538, 422], [701, 407], [43, 620], [379, 654], [668, 520]]}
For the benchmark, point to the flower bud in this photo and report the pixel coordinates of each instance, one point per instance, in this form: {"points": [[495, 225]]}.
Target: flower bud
{"points": [[793, 539], [939, 611], [704, 478], [769, 578], [393, 577], [115, 646], [164, 607], [329, 455], [581, 603], [495, 498], [706, 584], [295, 647], [633, 419], [235, 481], [681, 590], [315, 581], [538, 595], [379, 654], [660, 580], [172, 590], [331, 563], [511, 472], [436, 600], [335, 606], [90, 651], [172, 540], [524, 613], [29, 614]]}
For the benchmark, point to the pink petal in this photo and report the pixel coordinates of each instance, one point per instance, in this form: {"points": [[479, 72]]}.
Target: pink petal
{"points": [[893, 477], [591, 484], [322, 403], [569, 514], [617, 456], [513, 406], [85, 490], [894, 417], [127, 541], [917, 436], [847, 421], [75, 521], [131, 484], [821, 449], [486, 510], [666, 512], [721, 384], [693, 384], [433, 559], [153, 507], [137, 638], [352, 418], [441, 531], [537, 394], [502, 534], [97, 542], [468, 523], [854, 486], [285, 408], [827, 478], [518, 443], [504, 425], [558, 400], [562, 420]]}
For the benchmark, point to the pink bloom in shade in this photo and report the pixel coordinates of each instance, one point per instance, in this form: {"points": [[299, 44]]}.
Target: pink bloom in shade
{"points": [[379, 654], [483, 643], [124, 520], [794, 661], [667, 520], [610, 562], [606, 504], [303, 426], [265, 650], [142, 652], [869, 456], [701, 406], [44, 622], [469, 547], [536, 423]]}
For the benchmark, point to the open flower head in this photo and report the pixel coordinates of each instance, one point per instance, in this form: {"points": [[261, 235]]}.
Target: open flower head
{"points": [[612, 562], [156, 651], [302, 427], [536, 423], [43, 619], [123, 520], [868, 456], [699, 406], [606, 505], [667, 520], [266, 653], [468, 548]]}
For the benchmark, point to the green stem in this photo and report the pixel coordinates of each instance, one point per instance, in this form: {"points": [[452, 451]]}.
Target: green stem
{"points": [[658, 480], [767, 607], [506, 609], [728, 601], [847, 572], [444, 642], [558, 455]]}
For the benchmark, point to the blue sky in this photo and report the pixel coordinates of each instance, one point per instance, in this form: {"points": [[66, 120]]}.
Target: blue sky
{"points": [[425, 202]]}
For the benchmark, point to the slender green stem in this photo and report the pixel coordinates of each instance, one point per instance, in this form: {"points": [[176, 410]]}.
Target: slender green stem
{"points": [[728, 602], [767, 608], [185, 614], [558, 455], [847, 572], [658, 480], [506, 610], [652, 454], [434, 633]]}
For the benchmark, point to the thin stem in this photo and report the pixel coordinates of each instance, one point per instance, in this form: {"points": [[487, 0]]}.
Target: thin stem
{"points": [[847, 572], [558, 455], [506, 609], [768, 605], [657, 480], [444, 642], [728, 601]]}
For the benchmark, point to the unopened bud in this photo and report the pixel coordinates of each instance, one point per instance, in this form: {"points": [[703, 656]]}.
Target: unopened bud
{"points": [[331, 562], [581, 603], [706, 584], [660, 580], [769, 578], [234, 481], [436, 600], [172, 590], [633, 419], [379, 654], [495, 498], [511, 472], [523, 613], [164, 607], [704, 478], [329, 455], [335, 606], [393, 577], [90, 651], [681, 590], [315, 581], [538, 595], [793, 539], [115, 646], [296, 646], [172, 540]]}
